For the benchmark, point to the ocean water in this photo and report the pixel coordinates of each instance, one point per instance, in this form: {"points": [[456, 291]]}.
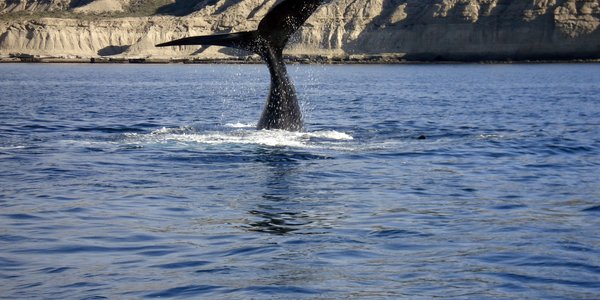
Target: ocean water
{"points": [[149, 181]]}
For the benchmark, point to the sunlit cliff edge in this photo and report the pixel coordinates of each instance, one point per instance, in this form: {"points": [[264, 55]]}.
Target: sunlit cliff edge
{"points": [[423, 30]]}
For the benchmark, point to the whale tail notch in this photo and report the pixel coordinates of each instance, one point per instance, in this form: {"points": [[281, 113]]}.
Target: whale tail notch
{"points": [[273, 32]]}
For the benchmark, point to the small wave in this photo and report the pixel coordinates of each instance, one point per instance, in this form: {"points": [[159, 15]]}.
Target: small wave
{"points": [[185, 291], [54, 270], [12, 147], [165, 130], [109, 129], [330, 135], [593, 209], [21, 216], [183, 264], [490, 136]]}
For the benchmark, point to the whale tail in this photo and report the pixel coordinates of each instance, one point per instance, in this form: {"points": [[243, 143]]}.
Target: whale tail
{"points": [[273, 32], [282, 110]]}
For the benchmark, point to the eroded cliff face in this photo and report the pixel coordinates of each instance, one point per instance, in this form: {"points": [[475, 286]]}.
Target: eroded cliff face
{"points": [[483, 29], [33, 5], [418, 29]]}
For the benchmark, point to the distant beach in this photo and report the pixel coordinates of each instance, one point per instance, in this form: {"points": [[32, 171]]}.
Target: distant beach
{"points": [[290, 59]]}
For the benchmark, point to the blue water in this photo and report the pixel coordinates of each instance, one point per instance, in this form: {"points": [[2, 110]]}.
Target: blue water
{"points": [[148, 181]]}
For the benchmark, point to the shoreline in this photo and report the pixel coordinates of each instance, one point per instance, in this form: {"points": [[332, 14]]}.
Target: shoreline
{"points": [[292, 60]]}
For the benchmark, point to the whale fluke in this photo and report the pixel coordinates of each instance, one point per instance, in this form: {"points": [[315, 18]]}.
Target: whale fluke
{"points": [[274, 30]]}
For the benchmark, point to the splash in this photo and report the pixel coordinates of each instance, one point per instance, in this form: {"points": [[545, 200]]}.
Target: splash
{"points": [[243, 134], [240, 125]]}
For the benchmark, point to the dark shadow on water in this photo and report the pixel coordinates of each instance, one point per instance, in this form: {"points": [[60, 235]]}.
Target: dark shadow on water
{"points": [[279, 223], [275, 212]]}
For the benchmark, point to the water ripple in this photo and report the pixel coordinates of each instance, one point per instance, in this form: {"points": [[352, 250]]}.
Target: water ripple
{"points": [[67, 249], [185, 291], [183, 264], [136, 181]]}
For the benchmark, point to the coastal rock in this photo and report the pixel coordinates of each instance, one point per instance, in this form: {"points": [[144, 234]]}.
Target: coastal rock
{"points": [[34, 5], [466, 30], [103, 6]]}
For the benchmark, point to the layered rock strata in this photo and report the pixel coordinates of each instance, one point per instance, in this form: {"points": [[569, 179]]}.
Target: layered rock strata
{"points": [[463, 30]]}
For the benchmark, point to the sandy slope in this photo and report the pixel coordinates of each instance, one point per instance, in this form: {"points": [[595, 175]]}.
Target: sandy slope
{"points": [[103, 6]]}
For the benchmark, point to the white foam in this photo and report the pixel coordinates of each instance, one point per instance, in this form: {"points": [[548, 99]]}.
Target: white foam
{"points": [[12, 147], [330, 135], [239, 125], [274, 138], [178, 130], [490, 136]]}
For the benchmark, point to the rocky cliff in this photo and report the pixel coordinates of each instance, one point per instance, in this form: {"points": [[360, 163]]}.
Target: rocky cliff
{"points": [[413, 29]]}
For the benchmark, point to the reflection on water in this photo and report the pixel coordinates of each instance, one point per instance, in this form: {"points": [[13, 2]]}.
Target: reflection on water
{"points": [[275, 214]]}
